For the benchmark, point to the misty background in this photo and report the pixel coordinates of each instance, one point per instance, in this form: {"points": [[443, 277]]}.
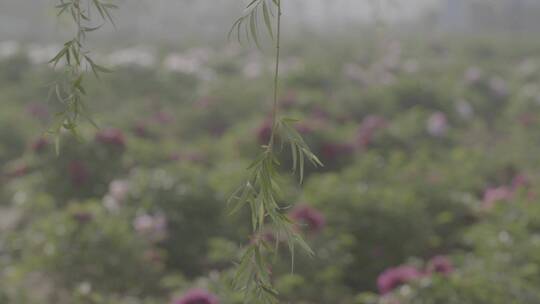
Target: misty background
{"points": [[172, 21]]}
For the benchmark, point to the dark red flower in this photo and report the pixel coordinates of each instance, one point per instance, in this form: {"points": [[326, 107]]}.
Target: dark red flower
{"points": [[112, 137], [332, 151], [392, 278], [39, 145], [197, 296], [140, 130], [82, 216], [367, 130], [308, 217], [440, 264], [78, 173]]}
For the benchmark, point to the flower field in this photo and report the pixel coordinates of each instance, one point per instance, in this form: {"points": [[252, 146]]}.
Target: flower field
{"points": [[429, 194]]}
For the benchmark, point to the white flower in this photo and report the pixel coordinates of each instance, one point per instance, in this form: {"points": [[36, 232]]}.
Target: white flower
{"points": [[437, 124]]}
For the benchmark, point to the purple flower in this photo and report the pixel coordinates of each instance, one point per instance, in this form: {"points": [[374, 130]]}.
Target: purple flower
{"points": [[154, 227], [493, 195], [498, 86], [197, 296], [392, 278], [78, 173], [264, 132], [440, 264], [473, 75], [437, 124], [308, 217], [112, 137]]}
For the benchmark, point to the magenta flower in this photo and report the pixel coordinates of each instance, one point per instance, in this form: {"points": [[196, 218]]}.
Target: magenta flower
{"points": [[440, 264], [78, 173], [197, 296], [308, 217], [493, 195], [369, 126], [392, 278], [112, 137]]}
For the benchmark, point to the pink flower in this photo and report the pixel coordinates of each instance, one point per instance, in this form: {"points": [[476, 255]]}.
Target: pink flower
{"points": [[78, 173], [197, 296], [289, 99], [369, 126], [473, 75], [437, 124], [308, 217], [163, 118], [527, 119], [440, 264], [392, 278], [519, 181], [18, 171], [38, 111], [493, 195], [112, 137]]}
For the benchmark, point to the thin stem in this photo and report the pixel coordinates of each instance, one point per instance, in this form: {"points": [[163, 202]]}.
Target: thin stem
{"points": [[276, 77]]}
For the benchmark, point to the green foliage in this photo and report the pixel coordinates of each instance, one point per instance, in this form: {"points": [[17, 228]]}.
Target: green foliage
{"points": [[70, 91]]}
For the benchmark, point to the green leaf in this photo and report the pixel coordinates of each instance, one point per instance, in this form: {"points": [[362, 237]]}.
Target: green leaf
{"points": [[267, 19]]}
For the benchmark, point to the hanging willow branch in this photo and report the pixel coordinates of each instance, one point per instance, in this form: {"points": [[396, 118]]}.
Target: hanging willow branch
{"points": [[261, 191], [70, 90]]}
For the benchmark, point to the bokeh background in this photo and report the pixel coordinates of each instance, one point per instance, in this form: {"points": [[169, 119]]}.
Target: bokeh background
{"points": [[426, 115]]}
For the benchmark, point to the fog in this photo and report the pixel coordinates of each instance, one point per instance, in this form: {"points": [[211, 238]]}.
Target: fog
{"points": [[173, 20]]}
